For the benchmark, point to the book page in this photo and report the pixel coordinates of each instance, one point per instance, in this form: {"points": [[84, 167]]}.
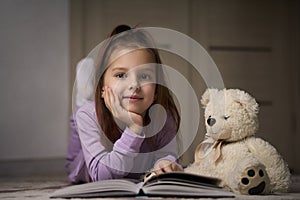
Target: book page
{"points": [[179, 184], [102, 188], [185, 177], [185, 189]]}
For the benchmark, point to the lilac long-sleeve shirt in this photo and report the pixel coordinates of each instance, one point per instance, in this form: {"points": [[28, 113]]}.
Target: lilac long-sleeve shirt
{"points": [[92, 157]]}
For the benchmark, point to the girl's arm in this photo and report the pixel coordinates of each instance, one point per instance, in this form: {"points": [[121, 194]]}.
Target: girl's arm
{"points": [[166, 156], [101, 163]]}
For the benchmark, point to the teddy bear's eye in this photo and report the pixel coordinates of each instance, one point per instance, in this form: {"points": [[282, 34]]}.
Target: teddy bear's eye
{"points": [[226, 117]]}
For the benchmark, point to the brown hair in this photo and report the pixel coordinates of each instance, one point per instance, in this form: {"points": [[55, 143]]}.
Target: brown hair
{"points": [[126, 37]]}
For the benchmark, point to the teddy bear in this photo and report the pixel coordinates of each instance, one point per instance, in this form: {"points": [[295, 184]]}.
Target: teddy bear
{"points": [[231, 152]]}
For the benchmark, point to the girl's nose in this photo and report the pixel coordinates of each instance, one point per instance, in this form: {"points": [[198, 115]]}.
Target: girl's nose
{"points": [[134, 84]]}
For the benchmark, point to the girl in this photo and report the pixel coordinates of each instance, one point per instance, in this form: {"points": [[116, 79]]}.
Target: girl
{"points": [[116, 135]]}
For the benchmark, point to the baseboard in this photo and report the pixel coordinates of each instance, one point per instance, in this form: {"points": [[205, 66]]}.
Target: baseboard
{"points": [[35, 167]]}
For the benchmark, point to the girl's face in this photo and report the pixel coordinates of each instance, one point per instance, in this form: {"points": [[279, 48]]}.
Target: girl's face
{"points": [[132, 79]]}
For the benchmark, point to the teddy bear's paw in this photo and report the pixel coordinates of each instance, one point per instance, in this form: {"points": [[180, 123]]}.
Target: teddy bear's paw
{"points": [[254, 180]]}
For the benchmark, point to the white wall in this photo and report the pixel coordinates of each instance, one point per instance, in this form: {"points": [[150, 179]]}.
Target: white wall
{"points": [[34, 78]]}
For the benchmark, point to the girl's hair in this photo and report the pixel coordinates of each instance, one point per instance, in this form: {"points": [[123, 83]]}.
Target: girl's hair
{"points": [[125, 37]]}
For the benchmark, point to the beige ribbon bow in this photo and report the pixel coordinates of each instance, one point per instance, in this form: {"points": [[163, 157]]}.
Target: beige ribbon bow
{"points": [[209, 145]]}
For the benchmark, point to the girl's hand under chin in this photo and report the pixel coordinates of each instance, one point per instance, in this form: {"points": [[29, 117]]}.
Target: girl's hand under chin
{"points": [[134, 121]]}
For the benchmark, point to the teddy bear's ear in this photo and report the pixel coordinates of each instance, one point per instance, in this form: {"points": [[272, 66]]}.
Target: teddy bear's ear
{"points": [[246, 100], [206, 96]]}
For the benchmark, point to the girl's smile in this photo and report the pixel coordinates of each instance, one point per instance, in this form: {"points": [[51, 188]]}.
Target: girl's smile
{"points": [[133, 98]]}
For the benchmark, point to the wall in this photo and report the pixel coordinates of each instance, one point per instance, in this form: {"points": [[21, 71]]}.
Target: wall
{"points": [[34, 78]]}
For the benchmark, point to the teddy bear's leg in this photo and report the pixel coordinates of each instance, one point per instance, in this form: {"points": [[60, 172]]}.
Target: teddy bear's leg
{"points": [[249, 177]]}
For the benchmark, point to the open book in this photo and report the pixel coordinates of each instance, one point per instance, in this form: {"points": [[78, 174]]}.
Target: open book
{"points": [[172, 184]]}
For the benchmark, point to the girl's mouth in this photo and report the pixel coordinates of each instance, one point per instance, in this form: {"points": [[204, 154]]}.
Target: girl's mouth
{"points": [[133, 98]]}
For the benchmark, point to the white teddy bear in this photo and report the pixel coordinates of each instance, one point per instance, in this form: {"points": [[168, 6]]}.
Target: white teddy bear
{"points": [[245, 164]]}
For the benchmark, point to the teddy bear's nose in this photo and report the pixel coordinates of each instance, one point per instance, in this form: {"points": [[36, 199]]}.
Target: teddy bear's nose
{"points": [[211, 121]]}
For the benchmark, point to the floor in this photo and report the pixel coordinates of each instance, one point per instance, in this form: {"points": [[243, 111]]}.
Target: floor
{"points": [[41, 187], [30, 187], [38, 186]]}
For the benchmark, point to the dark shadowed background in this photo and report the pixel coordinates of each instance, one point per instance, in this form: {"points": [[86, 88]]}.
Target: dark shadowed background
{"points": [[255, 45]]}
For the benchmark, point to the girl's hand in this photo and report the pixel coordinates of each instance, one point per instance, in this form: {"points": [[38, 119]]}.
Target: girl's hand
{"points": [[163, 166], [134, 121]]}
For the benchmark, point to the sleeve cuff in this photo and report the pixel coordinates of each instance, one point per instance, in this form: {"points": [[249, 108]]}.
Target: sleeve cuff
{"points": [[129, 142]]}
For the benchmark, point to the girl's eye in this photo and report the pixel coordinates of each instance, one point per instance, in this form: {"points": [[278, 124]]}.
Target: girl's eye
{"points": [[121, 75], [145, 77], [226, 117]]}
